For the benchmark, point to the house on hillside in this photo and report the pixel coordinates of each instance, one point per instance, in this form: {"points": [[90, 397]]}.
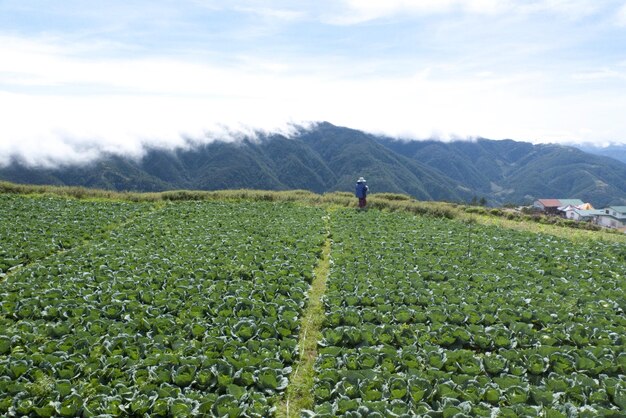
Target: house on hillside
{"points": [[613, 217], [551, 206], [584, 213]]}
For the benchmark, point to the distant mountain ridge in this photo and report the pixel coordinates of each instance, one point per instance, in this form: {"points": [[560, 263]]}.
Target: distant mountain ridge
{"points": [[617, 152], [512, 171], [329, 158]]}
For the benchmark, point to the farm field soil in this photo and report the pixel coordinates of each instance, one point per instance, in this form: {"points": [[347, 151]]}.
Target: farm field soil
{"points": [[195, 308]]}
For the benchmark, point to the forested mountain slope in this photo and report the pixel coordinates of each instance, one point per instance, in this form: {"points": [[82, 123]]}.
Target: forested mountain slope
{"points": [[329, 158]]}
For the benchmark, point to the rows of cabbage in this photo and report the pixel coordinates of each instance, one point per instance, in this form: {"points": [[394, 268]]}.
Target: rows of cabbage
{"points": [[428, 317], [35, 227], [192, 310]]}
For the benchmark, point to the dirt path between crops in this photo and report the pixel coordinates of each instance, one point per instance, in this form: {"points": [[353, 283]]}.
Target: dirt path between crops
{"points": [[299, 394]]}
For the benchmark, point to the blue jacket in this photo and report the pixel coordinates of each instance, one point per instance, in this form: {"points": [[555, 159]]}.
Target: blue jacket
{"points": [[361, 190]]}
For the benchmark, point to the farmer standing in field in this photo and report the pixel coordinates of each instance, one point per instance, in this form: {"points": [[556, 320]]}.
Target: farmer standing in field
{"points": [[361, 192]]}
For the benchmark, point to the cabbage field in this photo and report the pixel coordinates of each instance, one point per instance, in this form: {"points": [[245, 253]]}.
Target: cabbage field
{"points": [[435, 317], [111, 308]]}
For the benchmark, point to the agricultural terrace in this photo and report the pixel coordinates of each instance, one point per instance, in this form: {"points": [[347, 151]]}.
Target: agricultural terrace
{"points": [[204, 308]]}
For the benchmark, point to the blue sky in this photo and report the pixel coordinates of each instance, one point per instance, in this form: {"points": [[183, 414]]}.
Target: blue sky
{"points": [[81, 77]]}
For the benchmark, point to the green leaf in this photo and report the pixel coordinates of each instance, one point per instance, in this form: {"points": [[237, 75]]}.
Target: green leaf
{"points": [[237, 391], [24, 406], [326, 361], [63, 387], [270, 379], [345, 404], [17, 368], [557, 384], [45, 411], [184, 375], [418, 388], [541, 396], [398, 408], [481, 410], [350, 317], [584, 363], [351, 360], [227, 406], [491, 394], [619, 396], [598, 397], [471, 391], [180, 408], [67, 369], [5, 345], [140, 404], [223, 373], [6, 401], [347, 389], [352, 336], [244, 330], [447, 390], [516, 395], [160, 408], [494, 364], [403, 315], [437, 359], [398, 388], [537, 364], [114, 405], [322, 391], [70, 406], [244, 376], [331, 336], [371, 390], [562, 363], [206, 403], [502, 339], [450, 411]]}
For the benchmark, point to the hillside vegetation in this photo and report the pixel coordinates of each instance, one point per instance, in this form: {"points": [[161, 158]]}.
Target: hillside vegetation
{"points": [[328, 158], [257, 304], [617, 152]]}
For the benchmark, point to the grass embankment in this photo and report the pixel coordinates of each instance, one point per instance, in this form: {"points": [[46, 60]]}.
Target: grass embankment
{"points": [[385, 201], [299, 394], [567, 232], [389, 201]]}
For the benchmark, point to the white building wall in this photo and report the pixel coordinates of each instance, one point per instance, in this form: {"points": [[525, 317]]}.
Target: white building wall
{"points": [[610, 222], [605, 221]]}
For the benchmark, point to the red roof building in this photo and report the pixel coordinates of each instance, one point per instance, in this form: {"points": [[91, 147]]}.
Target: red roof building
{"points": [[544, 204], [552, 205]]}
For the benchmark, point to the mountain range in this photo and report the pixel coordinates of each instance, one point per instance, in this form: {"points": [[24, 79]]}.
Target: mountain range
{"points": [[326, 158], [615, 151]]}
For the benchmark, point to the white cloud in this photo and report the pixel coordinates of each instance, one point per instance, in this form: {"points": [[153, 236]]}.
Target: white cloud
{"points": [[600, 74], [377, 7], [271, 13], [620, 16], [32, 63], [60, 104], [365, 10], [570, 8]]}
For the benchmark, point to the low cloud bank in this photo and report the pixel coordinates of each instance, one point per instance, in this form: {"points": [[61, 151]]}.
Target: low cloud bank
{"points": [[63, 148], [62, 103]]}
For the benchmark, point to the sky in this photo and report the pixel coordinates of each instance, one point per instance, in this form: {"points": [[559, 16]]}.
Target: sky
{"points": [[79, 78]]}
